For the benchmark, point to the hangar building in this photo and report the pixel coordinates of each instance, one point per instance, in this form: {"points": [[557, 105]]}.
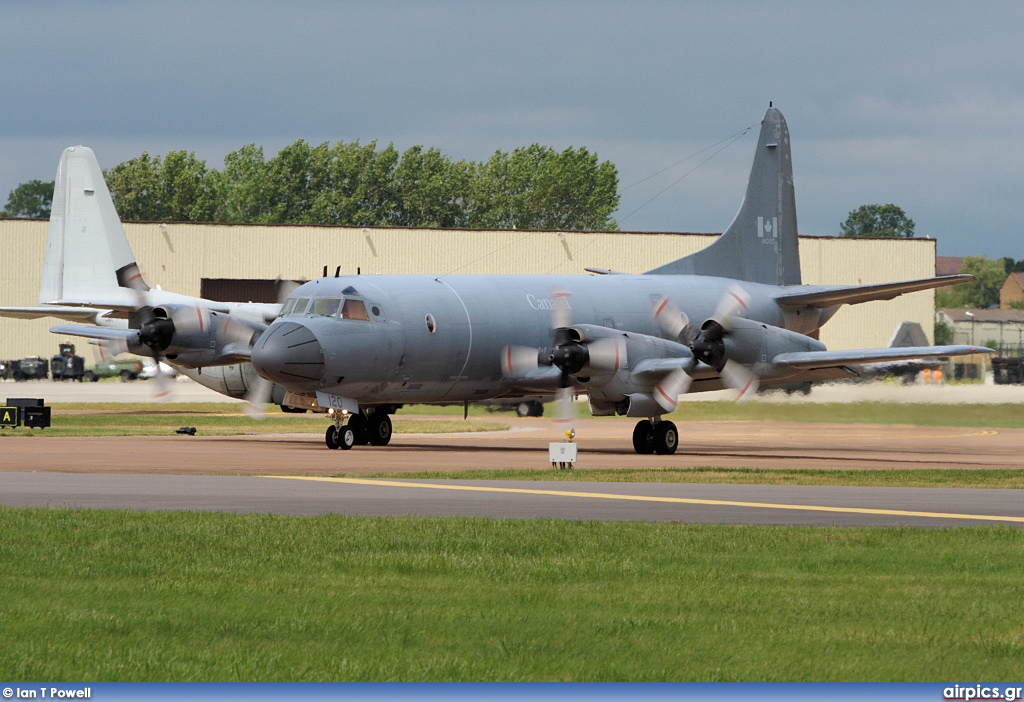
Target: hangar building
{"points": [[241, 263]]}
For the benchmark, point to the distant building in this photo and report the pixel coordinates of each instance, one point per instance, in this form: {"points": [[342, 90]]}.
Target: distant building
{"points": [[242, 262], [1012, 291], [1002, 330]]}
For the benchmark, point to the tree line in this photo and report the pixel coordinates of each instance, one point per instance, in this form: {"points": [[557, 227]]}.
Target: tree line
{"points": [[533, 187]]}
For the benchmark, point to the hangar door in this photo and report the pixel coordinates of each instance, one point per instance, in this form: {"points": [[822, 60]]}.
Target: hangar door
{"points": [[243, 289]]}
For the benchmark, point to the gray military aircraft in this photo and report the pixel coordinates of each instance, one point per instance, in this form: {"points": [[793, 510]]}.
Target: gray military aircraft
{"points": [[732, 315], [90, 275]]}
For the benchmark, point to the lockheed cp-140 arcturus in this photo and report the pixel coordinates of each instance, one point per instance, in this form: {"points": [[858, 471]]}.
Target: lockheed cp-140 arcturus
{"points": [[731, 315]]}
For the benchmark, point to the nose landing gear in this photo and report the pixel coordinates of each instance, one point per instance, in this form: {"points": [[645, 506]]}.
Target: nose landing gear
{"points": [[361, 429]]}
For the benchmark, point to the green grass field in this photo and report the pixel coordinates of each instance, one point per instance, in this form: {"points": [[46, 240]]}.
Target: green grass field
{"points": [[217, 419], [93, 595], [920, 414]]}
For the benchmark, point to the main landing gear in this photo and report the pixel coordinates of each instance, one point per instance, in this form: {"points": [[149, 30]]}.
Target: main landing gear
{"points": [[362, 429], [657, 436]]}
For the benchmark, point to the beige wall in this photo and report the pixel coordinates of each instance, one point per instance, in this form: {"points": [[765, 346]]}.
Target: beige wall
{"points": [[177, 256]]}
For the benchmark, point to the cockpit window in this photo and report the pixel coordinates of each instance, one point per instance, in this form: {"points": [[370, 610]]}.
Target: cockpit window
{"points": [[325, 307], [354, 309], [287, 308], [300, 305]]}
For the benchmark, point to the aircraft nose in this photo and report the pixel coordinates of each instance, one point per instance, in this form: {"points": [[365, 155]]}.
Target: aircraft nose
{"points": [[289, 354]]}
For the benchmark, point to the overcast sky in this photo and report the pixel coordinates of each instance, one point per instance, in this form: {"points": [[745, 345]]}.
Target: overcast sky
{"points": [[919, 104]]}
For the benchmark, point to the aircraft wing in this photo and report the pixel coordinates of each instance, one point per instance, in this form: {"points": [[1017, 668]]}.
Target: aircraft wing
{"points": [[833, 296], [816, 360]]}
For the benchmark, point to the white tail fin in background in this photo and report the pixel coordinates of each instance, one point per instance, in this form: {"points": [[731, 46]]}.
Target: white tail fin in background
{"points": [[87, 252]]}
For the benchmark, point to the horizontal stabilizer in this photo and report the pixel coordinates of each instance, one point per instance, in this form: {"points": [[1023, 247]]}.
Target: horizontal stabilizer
{"points": [[72, 314], [813, 360], [90, 332], [835, 295]]}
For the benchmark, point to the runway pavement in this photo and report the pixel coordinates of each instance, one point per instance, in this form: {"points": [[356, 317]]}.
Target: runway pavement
{"points": [[654, 502], [221, 473], [603, 443]]}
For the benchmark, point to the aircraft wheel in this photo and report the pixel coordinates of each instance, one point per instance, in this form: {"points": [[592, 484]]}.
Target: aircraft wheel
{"points": [[346, 437], [331, 437], [379, 429], [643, 437], [360, 428], [666, 438]]}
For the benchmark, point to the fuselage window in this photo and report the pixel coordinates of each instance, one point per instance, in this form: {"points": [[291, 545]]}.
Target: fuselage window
{"points": [[300, 305], [289, 305], [325, 307], [431, 323], [354, 309]]}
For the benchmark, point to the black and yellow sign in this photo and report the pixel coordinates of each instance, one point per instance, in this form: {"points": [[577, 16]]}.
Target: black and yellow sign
{"points": [[8, 416]]}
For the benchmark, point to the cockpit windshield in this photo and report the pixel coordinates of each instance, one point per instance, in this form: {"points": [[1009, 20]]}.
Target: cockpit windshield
{"points": [[354, 309], [325, 307], [348, 308]]}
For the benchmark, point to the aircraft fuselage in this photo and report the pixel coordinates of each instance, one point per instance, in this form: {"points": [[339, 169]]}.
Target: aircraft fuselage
{"points": [[427, 339]]}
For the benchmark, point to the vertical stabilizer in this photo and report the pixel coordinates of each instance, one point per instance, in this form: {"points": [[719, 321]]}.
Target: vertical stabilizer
{"points": [[761, 245], [87, 252]]}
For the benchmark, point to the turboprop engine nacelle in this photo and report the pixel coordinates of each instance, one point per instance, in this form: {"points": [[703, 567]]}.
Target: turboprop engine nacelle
{"points": [[194, 336], [755, 343]]}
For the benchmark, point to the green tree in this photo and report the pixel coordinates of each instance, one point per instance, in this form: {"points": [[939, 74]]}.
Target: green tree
{"points": [[1012, 266], [177, 188], [943, 334], [536, 187], [878, 220], [30, 200], [983, 291], [353, 184], [245, 187], [430, 190], [359, 186]]}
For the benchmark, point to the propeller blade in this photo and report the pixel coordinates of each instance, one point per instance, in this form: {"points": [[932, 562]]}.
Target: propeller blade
{"points": [[561, 309], [564, 412], [670, 319], [607, 354], [667, 392], [108, 348], [164, 389], [734, 302], [232, 330], [258, 397], [517, 361], [741, 379]]}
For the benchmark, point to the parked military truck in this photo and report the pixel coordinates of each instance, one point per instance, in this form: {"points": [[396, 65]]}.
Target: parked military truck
{"points": [[1008, 370], [30, 368], [66, 365]]}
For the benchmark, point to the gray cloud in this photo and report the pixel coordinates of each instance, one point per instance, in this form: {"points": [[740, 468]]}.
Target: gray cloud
{"points": [[916, 103]]}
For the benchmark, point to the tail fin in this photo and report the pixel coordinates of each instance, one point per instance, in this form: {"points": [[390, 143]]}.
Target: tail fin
{"points": [[87, 252], [760, 246]]}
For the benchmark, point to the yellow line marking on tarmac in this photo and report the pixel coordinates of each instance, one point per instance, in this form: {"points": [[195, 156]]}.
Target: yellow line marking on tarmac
{"points": [[654, 498]]}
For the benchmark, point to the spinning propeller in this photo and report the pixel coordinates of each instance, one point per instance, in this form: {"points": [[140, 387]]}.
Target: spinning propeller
{"points": [[572, 354], [707, 345]]}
